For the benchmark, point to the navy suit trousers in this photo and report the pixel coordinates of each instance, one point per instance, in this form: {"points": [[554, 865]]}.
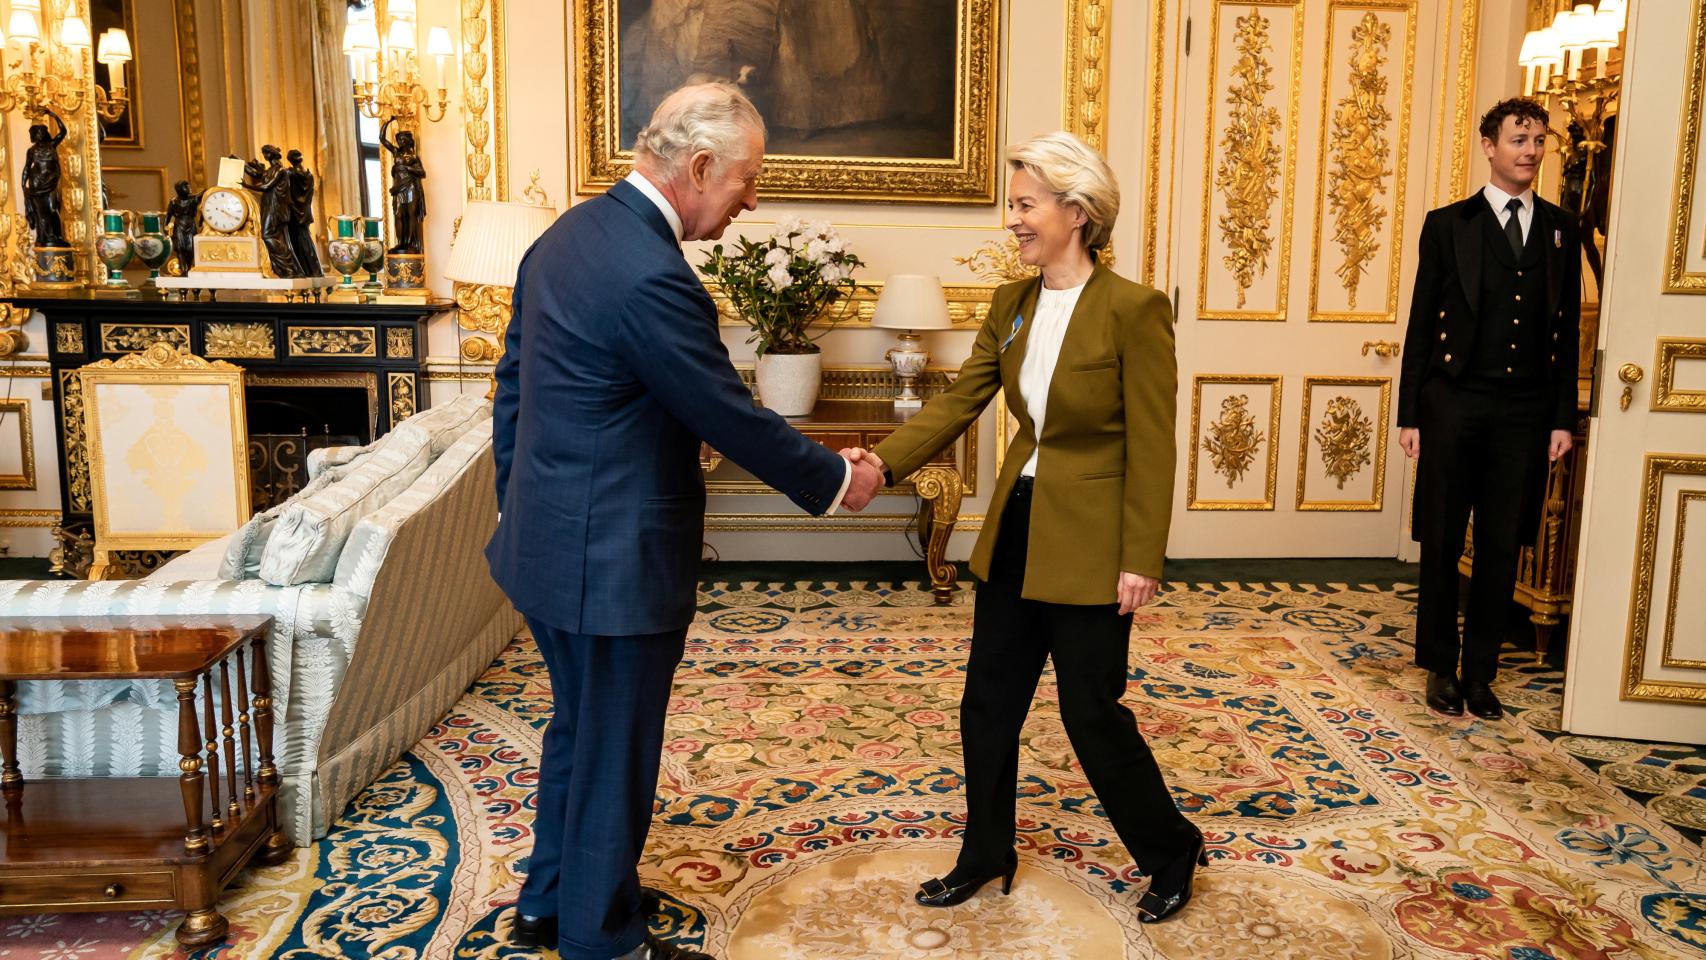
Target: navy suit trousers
{"points": [[597, 779]]}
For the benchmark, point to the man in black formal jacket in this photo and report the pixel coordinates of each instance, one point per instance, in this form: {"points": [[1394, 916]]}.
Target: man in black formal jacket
{"points": [[1488, 396]]}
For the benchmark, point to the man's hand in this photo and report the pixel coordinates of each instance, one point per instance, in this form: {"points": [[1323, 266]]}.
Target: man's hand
{"points": [[867, 478], [1136, 590], [856, 454], [1410, 439], [1561, 444]]}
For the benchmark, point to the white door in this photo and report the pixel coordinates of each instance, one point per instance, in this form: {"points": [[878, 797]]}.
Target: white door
{"points": [[1637, 660], [1300, 185]]}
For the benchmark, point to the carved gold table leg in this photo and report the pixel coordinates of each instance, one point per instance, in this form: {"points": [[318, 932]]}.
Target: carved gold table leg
{"points": [[940, 489]]}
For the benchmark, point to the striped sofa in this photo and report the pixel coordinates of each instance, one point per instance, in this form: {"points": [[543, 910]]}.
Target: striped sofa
{"points": [[383, 614]]}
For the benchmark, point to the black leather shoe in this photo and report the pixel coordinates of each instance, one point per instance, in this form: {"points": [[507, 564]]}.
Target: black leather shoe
{"points": [[655, 949], [1444, 695], [1482, 701], [529, 931], [950, 890], [1158, 903]]}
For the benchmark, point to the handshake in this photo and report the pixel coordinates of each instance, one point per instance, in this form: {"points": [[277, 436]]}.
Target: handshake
{"points": [[866, 480]]}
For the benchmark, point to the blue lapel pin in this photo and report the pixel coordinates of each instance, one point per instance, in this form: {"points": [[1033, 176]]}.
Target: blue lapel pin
{"points": [[1018, 321]]}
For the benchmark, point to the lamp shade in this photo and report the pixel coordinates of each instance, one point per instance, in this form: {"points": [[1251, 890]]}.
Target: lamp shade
{"points": [[438, 42], [362, 37], [74, 33], [912, 301], [114, 47], [1546, 52], [23, 27], [493, 237]]}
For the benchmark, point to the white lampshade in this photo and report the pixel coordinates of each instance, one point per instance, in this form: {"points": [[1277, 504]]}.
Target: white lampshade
{"points": [[912, 301], [1602, 33], [1525, 58], [493, 238], [23, 27], [114, 47], [1615, 8], [400, 9], [74, 33], [438, 42], [401, 36], [362, 36], [1578, 27], [1547, 52]]}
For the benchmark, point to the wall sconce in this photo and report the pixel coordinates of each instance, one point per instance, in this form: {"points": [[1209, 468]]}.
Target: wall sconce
{"points": [[385, 66], [48, 71]]}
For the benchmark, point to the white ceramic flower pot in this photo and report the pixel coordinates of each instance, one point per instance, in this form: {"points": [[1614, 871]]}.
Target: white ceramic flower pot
{"points": [[788, 382]]}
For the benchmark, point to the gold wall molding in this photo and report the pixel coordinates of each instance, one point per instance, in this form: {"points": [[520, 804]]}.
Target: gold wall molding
{"points": [[1669, 658], [1678, 278], [1232, 441], [486, 156], [1152, 168], [1636, 685], [1361, 142], [247, 340], [1666, 395], [1260, 147], [997, 261], [968, 306], [28, 372], [1348, 439], [839, 523], [1468, 42], [189, 93], [1086, 107], [136, 337], [17, 410], [29, 518], [451, 371]]}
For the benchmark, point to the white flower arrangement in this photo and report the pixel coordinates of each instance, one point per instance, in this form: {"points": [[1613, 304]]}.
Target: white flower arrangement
{"points": [[782, 283]]}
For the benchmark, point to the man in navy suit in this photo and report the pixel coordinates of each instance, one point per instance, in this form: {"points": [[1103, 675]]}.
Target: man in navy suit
{"points": [[1487, 398], [613, 372]]}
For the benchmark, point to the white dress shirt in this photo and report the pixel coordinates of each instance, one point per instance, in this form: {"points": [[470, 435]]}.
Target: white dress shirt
{"points": [[1500, 200], [652, 193], [1042, 353]]}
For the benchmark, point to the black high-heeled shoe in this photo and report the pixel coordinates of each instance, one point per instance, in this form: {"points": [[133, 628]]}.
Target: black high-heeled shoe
{"points": [[938, 892], [1154, 906]]}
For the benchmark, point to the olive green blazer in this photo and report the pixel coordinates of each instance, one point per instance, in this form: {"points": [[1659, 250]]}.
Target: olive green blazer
{"points": [[1104, 489]]}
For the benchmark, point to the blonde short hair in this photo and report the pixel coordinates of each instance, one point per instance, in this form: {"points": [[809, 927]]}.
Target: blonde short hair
{"points": [[1078, 175], [706, 116]]}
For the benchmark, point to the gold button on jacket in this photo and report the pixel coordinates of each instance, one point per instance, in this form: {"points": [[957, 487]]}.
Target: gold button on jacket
{"points": [[1103, 499]]}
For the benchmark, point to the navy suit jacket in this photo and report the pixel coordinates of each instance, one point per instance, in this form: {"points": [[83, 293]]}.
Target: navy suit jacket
{"points": [[612, 373]]}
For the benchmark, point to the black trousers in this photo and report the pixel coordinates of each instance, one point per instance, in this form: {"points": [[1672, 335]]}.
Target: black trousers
{"points": [[597, 781], [1011, 639], [1482, 445]]}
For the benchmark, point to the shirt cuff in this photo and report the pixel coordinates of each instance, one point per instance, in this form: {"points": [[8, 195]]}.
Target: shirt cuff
{"points": [[846, 479]]}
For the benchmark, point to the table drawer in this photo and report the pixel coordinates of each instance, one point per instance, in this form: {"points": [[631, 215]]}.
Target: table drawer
{"points": [[47, 891]]}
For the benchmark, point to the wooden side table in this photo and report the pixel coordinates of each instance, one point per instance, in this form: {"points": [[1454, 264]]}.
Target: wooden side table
{"points": [[838, 423], [130, 843]]}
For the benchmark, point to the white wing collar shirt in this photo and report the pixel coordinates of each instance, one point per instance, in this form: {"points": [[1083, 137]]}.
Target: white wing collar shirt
{"points": [[1042, 353], [1500, 202], [652, 193]]}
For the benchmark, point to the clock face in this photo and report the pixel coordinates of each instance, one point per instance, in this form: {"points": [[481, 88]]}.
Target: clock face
{"points": [[223, 211]]}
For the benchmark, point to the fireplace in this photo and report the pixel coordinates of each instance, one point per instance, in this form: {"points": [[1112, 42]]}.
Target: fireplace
{"points": [[292, 414]]}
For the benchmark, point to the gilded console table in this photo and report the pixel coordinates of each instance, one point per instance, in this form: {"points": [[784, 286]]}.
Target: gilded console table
{"points": [[320, 363]]}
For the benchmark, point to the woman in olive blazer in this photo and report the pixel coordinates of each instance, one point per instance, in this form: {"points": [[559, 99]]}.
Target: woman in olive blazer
{"points": [[1077, 526]]}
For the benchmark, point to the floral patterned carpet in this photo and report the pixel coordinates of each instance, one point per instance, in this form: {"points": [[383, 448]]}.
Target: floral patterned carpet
{"points": [[811, 780]]}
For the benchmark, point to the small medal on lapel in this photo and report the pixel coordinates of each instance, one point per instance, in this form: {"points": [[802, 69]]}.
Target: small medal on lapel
{"points": [[1018, 321], [1558, 239]]}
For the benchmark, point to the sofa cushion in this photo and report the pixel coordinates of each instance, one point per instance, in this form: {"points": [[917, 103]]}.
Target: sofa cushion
{"points": [[447, 422], [201, 563], [364, 551], [304, 542]]}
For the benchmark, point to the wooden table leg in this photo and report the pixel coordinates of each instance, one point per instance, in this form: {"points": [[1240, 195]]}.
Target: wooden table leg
{"points": [[940, 488], [278, 845], [189, 782], [11, 779]]}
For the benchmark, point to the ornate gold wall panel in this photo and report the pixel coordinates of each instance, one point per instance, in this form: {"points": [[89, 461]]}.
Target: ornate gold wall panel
{"points": [[1250, 156], [1086, 108], [968, 306], [136, 337], [1363, 164], [486, 170], [331, 341], [1238, 433], [1666, 394], [76, 443], [240, 340], [189, 93], [29, 518], [401, 387], [1342, 441], [1688, 222], [15, 414], [1688, 474], [1686, 501], [1152, 166]]}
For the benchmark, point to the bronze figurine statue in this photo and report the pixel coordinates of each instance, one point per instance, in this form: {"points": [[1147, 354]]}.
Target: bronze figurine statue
{"points": [[302, 216], [270, 182], [41, 183], [408, 194], [181, 215]]}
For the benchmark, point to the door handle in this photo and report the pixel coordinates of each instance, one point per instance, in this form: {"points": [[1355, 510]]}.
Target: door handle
{"points": [[1630, 374], [1382, 348]]}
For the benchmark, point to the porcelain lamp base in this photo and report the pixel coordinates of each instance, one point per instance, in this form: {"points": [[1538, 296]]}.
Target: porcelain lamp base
{"points": [[909, 359]]}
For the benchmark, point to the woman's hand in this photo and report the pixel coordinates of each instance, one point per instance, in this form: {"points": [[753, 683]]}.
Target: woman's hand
{"points": [[1136, 590]]}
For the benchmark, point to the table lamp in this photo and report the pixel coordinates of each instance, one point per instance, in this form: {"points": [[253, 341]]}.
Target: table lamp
{"points": [[485, 256], [911, 302]]}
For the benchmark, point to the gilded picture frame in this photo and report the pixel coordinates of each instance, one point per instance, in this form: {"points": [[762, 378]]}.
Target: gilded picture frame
{"points": [[168, 451], [943, 154]]}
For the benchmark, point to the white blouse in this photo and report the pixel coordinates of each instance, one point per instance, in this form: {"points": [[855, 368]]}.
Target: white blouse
{"points": [[1042, 353]]}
